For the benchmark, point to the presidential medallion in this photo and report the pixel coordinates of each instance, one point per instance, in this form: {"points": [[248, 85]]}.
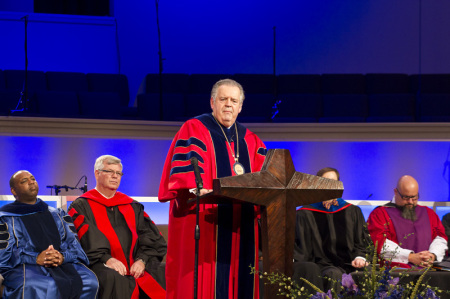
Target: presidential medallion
{"points": [[238, 168]]}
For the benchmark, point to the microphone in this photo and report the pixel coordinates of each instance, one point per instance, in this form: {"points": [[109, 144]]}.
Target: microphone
{"points": [[85, 184], [56, 187], [198, 177]]}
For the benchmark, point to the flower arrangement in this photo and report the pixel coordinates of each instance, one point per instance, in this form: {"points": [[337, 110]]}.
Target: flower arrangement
{"points": [[371, 283]]}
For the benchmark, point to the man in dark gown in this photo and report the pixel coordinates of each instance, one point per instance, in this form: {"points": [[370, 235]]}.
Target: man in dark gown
{"points": [[446, 224], [123, 245], [332, 234], [40, 256]]}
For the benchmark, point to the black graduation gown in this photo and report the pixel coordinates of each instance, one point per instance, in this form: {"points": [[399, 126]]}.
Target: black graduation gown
{"points": [[331, 238]]}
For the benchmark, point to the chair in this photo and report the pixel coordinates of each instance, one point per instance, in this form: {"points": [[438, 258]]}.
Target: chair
{"points": [[2, 81], [15, 85], [430, 83], [343, 84], [15, 80], [196, 104], [110, 83], [299, 108], [434, 108], [203, 83], [391, 108], [148, 106], [344, 108], [171, 83], [58, 103], [8, 101], [290, 84], [256, 83], [257, 108], [67, 81], [164, 231], [387, 83], [100, 105]]}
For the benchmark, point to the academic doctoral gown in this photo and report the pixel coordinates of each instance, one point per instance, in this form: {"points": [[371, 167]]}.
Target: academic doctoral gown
{"points": [[228, 242], [414, 235], [333, 237], [118, 227], [27, 230], [446, 224]]}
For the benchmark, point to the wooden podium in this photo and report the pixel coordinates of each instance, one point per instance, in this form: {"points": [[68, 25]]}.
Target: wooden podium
{"points": [[278, 189]]}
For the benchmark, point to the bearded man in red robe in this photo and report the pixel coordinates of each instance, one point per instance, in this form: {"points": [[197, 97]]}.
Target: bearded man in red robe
{"points": [[408, 234]]}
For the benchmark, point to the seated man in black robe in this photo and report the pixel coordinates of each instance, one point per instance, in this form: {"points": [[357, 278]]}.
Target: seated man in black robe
{"points": [[124, 246], [446, 223], [332, 234]]}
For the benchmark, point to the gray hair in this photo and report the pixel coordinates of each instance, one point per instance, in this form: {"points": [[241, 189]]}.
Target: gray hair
{"points": [[108, 159], [228, 82]]}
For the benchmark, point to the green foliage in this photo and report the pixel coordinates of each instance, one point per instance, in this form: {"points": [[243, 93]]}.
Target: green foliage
{"points": [[373, 282]]}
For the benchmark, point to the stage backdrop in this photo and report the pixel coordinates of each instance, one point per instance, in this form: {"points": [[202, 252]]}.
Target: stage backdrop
{"points": [[312, 37], [369, 170]]}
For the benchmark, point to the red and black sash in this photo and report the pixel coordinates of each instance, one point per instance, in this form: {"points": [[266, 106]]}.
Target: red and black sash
{"points": [[98, 206]]}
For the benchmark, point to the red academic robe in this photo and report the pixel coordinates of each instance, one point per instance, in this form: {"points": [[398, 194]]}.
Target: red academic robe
{"points": [[221, 271], [381, 228], [118, 227]]}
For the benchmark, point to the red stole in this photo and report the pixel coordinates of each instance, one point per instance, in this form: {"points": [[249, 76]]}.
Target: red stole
{"points": [[98, 205]]}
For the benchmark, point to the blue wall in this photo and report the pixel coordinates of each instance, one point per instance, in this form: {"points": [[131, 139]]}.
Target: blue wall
{"points": [[366, 167]]}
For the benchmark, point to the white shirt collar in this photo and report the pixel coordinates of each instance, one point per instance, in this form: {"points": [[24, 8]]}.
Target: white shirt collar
{"points": [[104, 194]]}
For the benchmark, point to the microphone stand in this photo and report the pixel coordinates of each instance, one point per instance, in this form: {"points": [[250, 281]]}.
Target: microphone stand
{"points": [[161, 59], [23, 100], [58, 188], [197, 236], [275, 108], [84, 188], [199, 184]]}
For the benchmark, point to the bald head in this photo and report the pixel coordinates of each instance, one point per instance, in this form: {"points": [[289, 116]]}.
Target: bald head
{"points": [[24, 186], [13, 178], [407, 191]]}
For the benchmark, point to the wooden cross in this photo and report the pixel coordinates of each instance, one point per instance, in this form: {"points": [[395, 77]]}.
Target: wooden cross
{"points": [[279, 189]]}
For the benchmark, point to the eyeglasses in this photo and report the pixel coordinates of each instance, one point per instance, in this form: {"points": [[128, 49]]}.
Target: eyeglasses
{"points": [[413, 197], [111, 172]]}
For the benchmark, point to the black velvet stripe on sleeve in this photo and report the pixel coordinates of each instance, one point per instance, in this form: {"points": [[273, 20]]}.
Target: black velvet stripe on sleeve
{"points": [[224, 243], [191, 141], [247, 251]]}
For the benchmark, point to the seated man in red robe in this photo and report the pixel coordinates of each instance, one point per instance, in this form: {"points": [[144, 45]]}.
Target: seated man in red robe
{"points": [[407, 233], [123, 245]]}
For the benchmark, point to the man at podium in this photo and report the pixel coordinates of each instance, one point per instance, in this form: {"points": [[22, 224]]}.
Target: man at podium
{"points": [[228, 242]]}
